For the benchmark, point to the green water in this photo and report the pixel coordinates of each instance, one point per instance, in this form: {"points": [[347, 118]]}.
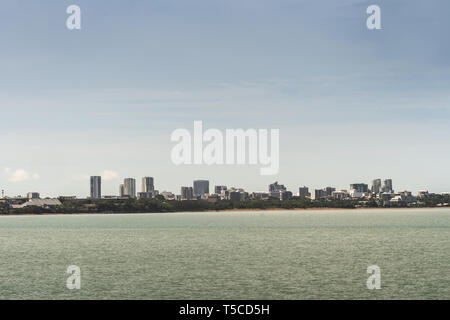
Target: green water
{"points": [[239, 255]]}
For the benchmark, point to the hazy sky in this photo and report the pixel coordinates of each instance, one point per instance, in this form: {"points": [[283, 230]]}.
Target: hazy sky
{"points": [[351, 104]]}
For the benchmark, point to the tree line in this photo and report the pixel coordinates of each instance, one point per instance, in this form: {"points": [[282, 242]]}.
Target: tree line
{"points": [[161, 205]]}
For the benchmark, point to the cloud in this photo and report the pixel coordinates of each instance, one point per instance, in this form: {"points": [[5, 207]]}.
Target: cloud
{"points": [[20, 175], [109, 175]]}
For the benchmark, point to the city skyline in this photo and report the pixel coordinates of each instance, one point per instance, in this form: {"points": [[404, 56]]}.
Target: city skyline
{"points": [[199, 187]]}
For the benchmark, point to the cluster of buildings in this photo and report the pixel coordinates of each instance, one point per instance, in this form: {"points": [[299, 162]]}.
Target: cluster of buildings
{"points": [[357, 190], [126, 190], [32, 199], [200, 190], [380, 190]]}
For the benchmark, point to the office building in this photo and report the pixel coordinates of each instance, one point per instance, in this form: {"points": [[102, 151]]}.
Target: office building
{"points": [[148, 184], [329, 191], [376, 186], [387, 186], [201, 187], [359, 187], [129, 188], [276, 190], [359, 190], [303, 192], [187, 193], [275, 187], [96, 187], [319, 193]]}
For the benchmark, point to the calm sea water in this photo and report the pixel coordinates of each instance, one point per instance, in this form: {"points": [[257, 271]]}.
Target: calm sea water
{"points": [[239, 255]]}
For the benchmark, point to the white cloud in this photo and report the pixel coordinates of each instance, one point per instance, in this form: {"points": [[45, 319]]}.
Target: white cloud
{"points": [[20, 175], [109, 175]]}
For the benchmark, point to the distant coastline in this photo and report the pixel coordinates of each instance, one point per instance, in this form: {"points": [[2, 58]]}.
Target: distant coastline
{"points": [[228, 211], [161, 205]]}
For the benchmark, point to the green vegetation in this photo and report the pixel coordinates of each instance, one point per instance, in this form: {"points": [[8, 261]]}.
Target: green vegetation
{"points": [[161, 205], [4, 208]]}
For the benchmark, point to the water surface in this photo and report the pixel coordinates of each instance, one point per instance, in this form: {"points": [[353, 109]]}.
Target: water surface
{"points": [[239, 255]]}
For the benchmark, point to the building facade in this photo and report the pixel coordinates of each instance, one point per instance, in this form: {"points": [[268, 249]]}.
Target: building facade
{"points": [[96, 187], [129, 188], [319, 193], [201, 187], [187, 193], [376, 186], [276, 187], [148, 184], [387, 186], [303, 192], [359, 187], [329, 191]]}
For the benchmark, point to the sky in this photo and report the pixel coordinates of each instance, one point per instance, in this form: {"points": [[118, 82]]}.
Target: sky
{"points": [[351, 104]]}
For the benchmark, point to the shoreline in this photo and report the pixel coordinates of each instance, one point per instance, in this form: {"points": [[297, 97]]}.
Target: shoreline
{"points": [[228, 210]]}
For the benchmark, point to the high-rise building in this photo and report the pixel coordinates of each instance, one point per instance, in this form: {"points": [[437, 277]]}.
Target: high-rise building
{"points": [[121, 191], [129, 187], [303, 192], [359, 187], [387, 186], [187, 193], [147, 185], [96, 187], [322, 193], [359, 190], [376, 186], [275, 187], [201, 187], [319, 193], [329, 191], [279, 191]]}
